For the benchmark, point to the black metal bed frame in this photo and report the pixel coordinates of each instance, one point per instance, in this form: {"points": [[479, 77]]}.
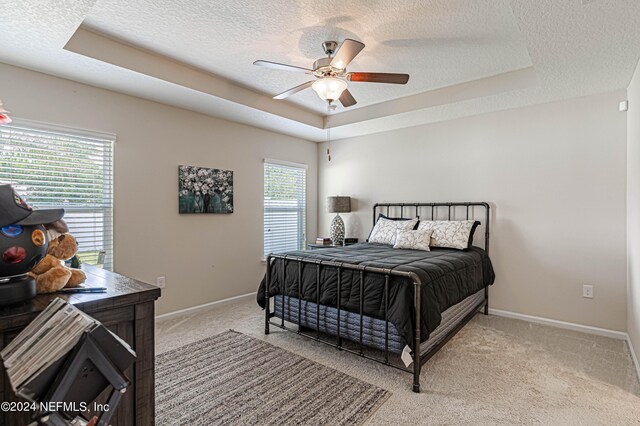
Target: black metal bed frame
{"points": [[418, 358]]}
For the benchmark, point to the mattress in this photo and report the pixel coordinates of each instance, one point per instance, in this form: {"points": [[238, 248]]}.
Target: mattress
{"points": [[373, 328]]}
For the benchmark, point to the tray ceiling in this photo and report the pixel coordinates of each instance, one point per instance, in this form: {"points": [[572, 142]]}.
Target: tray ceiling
{"points": [[465, 57], [439, 43]]}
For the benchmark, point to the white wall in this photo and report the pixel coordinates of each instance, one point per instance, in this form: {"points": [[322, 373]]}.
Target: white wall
{"points": [[633, 212], [556, 176], [204, 257]]}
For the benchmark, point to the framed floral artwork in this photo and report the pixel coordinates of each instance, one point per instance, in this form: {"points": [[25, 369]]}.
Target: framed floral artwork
{"points": [[204, 190]]}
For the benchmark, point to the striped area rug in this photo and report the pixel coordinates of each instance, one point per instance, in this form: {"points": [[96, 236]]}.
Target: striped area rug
{"points": [[235, 379]]}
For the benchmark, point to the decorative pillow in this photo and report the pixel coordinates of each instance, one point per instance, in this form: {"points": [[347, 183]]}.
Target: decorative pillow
{"points": [[457, 234], [413, 239], [380, 215], [384, 231]]}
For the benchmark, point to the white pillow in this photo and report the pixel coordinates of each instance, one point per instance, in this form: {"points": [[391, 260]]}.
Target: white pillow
{"points": [[415, 240], [448, 233], [384, 231]]}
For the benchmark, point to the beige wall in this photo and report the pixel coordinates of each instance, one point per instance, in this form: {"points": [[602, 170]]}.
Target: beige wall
{"points": [[556, 174], [204, 257], [552, 171], [633, 212]]}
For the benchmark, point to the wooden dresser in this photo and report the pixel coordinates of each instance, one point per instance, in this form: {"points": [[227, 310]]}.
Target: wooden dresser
{"points": [[127, 309]]}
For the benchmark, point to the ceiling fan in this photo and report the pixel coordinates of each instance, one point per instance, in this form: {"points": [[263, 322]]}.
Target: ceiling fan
{"points": [[332, 76]]}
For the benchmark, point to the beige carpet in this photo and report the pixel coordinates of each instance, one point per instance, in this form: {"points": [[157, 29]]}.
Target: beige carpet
{"points": [[495, 371], [231, 378]]}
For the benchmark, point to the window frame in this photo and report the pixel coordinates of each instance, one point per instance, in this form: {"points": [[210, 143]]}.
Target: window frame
{"points": [[302, 213], [106, 232]]}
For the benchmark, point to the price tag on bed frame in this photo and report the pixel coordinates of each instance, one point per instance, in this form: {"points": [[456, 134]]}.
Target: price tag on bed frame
{"points": [[406, 356]]}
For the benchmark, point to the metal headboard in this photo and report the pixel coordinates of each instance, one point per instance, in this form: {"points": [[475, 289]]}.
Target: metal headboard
{"points": [[435, 212]]}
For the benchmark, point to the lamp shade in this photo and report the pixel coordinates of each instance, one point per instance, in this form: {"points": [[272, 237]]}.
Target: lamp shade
{"points": [[338, 204], [329, 88]]}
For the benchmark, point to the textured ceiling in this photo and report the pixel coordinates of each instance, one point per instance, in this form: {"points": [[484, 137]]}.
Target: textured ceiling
{"points": [[465, 56], [437, 42]]}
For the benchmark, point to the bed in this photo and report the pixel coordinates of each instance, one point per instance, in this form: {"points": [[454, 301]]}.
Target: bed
{"points": [[392, 303]]}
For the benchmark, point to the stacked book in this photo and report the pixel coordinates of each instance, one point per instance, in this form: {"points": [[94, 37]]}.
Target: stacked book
{"points": [[35, 357], [323, 241], [49, 337]]}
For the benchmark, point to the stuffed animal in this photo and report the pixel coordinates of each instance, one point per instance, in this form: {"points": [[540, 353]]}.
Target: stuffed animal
{"points": [[50, 273]]}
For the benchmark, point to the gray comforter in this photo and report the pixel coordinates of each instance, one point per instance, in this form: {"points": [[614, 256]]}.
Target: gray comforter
{"points": [[448, 277]]}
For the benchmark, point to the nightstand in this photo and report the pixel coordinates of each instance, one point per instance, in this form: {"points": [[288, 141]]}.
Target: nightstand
{"points": [[321, 246]]}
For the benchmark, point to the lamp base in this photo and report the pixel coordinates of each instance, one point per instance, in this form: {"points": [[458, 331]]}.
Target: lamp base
{"points": [[337, 231]]}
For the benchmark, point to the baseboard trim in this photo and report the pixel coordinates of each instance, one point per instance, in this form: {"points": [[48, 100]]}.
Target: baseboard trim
{"points": [[561, 324], [633, 356], [498, 312], [204, 306]]}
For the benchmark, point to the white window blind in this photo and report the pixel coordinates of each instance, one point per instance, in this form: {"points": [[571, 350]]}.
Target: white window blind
{"points": [[284, 206], [52, 167]]}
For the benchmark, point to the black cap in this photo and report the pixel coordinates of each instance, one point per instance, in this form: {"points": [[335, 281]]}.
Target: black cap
{"points": [[14, 211]]}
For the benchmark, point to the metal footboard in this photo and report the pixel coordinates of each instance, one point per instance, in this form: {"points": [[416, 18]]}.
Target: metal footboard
{"points": [[362, 270]]}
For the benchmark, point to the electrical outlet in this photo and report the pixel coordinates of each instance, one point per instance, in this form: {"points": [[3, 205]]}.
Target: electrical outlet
{"points": [[161, 282], [587, 291], [624, 106]]}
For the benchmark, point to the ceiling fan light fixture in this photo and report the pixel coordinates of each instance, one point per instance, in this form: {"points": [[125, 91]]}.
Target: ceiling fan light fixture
{"points": [[329, 88]]}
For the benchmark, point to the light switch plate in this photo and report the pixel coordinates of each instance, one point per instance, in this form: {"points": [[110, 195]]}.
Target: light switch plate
{"points": [[161, 282]]}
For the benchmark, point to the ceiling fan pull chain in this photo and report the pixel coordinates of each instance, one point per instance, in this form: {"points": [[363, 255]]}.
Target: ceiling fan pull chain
{"points": [[329, 143]]}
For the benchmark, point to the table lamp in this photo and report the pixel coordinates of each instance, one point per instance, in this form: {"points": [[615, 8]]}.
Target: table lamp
{"points": [[338, 205]]}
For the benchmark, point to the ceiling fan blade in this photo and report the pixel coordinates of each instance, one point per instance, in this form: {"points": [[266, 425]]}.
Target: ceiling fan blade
{"points": [[345, 54], [378, 77], [347, 99], [293, 90], [283, 67]]}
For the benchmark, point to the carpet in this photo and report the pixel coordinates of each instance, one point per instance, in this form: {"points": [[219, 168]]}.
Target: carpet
{"points": [[495, 371], [234, 378]]}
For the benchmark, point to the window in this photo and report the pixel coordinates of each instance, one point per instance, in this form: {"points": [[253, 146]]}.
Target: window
{"points": [[284, 206], [52, 167]]}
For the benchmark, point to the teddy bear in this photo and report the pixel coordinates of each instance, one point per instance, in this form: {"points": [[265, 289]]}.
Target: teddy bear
{"points": [[51, 274]]}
